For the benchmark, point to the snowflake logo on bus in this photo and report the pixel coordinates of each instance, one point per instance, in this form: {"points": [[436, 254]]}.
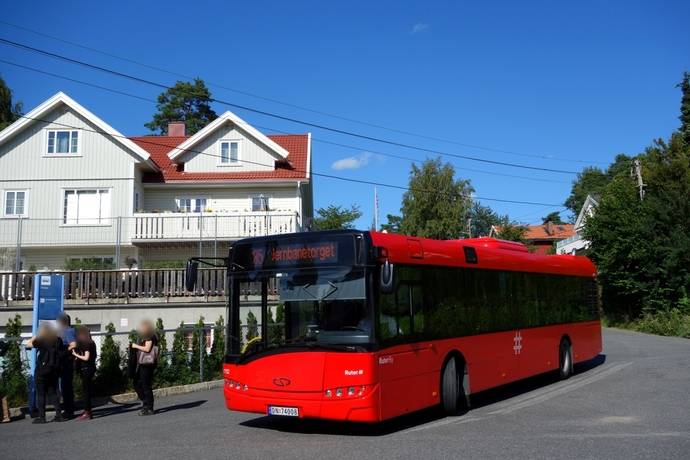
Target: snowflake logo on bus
{"points": [[517, 343]]}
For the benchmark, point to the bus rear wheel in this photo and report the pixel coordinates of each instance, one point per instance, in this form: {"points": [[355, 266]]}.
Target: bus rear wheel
{"points": [[453, 397], [565, 359]]}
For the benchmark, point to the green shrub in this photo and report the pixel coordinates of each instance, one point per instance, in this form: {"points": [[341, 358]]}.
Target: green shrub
{"points": [[673, 322], [110, 377], [160, 264], [14, 379]]}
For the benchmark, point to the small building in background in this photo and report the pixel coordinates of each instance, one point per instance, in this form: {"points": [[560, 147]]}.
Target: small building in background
{"points": [[542, 238], [577, 244]]}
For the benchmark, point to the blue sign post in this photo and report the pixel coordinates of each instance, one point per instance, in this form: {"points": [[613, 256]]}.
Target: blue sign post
{"points": [[48, 304]]}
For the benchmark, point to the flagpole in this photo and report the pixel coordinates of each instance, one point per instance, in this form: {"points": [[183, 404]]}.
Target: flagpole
{"points": [[376, 209]]}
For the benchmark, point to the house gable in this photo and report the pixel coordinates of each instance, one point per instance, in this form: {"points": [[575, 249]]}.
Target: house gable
{"points": [[25, 153], [50, 115], [251, 149]]}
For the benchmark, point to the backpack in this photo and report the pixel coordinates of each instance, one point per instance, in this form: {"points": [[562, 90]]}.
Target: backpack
{"points": [[49, 358]]}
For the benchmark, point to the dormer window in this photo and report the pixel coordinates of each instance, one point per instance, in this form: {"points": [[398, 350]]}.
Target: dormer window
{"points": [[229, 153], [62, 142]]}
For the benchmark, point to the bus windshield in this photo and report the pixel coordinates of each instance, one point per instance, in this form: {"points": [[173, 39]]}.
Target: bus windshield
{"points": [[315, 307]]}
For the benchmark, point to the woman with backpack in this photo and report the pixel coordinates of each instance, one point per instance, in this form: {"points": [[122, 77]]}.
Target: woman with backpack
{"points": [[147, 358], [47, 373], [85, 365]]}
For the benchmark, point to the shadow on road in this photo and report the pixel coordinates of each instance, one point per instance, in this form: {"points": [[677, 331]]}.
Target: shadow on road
{"points": [[482, 399], [188, 405], [124, 408]]}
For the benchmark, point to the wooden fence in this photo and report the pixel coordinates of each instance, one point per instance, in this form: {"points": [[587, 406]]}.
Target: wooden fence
{"points": [[118, 285]]}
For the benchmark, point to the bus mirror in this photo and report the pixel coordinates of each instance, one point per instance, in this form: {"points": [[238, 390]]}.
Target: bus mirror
{"points": [[387, 281], [191, 272]]}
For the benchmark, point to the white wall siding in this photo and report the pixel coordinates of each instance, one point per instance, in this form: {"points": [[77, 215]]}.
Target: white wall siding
{"points": [[22, 157], [222, 200], [253, 156]]}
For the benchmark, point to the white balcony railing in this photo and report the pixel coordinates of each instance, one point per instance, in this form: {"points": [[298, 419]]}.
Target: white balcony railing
{"points": [[210, 226]]}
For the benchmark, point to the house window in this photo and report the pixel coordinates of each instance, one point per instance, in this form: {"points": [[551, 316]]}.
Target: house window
{"points": [[191, 204], [229, 152], [260, 203], [63, 142], [86, 207], [15, 203]]}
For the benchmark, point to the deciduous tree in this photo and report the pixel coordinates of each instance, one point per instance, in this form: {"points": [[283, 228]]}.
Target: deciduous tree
{"points": [[335, 217], [436, 204]]}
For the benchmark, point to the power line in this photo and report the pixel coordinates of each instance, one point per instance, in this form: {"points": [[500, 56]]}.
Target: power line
{"points": [[282, 117], [296, 106], [330, 176], [377, 152]]}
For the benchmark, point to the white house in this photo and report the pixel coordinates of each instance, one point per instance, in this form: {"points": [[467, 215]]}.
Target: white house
{"points": [[578, 243], [72, 187]]}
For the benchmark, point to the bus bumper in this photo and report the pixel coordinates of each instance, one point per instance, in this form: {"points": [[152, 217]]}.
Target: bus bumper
{"points": [[310, 404]]}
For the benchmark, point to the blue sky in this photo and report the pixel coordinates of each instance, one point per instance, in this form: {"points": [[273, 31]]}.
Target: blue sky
{"points": [[577, 82]]}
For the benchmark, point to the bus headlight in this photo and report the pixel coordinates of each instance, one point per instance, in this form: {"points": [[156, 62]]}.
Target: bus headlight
{"points": [[346, 392]]}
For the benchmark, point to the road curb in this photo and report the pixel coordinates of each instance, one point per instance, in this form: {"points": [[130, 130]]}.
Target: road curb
{"points": [[131, 397]]}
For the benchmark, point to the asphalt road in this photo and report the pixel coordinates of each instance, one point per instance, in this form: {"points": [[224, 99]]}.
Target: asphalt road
{"points": [[633, 402]]}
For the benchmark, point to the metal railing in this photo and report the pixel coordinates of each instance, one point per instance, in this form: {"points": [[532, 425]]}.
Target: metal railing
{"points": [[115, 235], [122, 286]]}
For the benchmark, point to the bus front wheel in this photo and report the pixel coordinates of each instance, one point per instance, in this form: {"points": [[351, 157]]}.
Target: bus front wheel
{"points": [[453, 397], [565, 359]]}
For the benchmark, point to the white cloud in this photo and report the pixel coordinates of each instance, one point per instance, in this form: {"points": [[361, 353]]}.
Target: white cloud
{"points": [[354, 162], [419, 28]]}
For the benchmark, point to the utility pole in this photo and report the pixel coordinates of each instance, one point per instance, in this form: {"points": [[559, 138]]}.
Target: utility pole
{"points": [[636, 173], [469, 227]]}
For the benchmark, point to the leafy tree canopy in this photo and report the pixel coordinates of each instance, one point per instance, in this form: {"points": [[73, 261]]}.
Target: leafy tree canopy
{"points": [[335, 217], [188, 102], [642, 246], [393, 224], [9, 111], [684, 130], [592, 181], [483, 218], [554, 217], [437, 204]]}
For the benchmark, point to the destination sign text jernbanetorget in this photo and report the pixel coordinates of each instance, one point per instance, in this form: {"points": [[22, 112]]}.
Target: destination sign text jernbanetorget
{"points": [[296, 254]]}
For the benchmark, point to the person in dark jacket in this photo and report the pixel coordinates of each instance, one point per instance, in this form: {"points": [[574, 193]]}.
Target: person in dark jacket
{"points": [[85, 364], [67, 335], [47, 372], [146, 350]]}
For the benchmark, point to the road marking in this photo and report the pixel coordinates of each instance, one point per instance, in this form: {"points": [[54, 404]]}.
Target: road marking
{"points": [[566, 388], [571, 385], [445, 421]]}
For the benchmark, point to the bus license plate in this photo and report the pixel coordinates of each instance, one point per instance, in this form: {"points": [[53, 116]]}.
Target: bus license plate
{"points": [[284, 411]]}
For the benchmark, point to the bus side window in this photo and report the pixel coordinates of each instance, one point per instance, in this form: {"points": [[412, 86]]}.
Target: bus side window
{"points": [[395, 320], [417, 309]]}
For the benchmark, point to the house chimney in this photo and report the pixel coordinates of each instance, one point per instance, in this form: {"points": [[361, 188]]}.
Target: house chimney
{"points": [[176, 128], [548, 226]]}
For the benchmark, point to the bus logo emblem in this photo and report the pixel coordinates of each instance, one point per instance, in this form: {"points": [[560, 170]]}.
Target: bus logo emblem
{"points": [[517, 343], [281, 382]]}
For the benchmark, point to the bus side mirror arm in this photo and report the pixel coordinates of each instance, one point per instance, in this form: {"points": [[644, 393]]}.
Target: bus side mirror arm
{"points": [[387, 281], [191, 273], [192, 269]]}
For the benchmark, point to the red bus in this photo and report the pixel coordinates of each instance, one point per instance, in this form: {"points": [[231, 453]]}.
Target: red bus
{"points": [[366, 326]]}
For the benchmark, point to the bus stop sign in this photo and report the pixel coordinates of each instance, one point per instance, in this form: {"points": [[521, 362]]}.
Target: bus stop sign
{"points": [[48, 304]]}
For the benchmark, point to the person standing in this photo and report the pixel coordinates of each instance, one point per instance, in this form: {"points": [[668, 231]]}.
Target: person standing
{"points": [[147, 358], [85, 364], [67, 335], [47, 373]]}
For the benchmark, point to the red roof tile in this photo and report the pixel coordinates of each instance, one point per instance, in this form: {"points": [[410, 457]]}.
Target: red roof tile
{"points": [[556, 232], [295, 168]]}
